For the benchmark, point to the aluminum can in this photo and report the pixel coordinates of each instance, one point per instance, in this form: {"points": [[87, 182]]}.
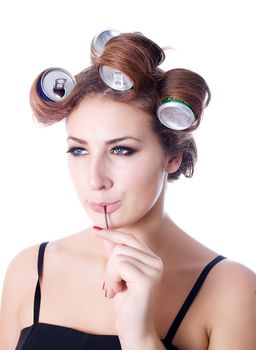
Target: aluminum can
{"points": [[56, 84], [176, 115], [115, 79]]}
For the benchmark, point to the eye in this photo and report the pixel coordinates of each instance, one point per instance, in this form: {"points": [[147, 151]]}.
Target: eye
{"points": [[117, 150], [122, 151], [76, 151]]}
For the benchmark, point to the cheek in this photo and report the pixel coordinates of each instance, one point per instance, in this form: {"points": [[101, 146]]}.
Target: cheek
{"points": [[76, 172], [146, 178], [143, 178]]}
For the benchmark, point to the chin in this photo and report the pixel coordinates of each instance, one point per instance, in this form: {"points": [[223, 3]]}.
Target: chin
{"points": [[116, 220], [119, 223]]}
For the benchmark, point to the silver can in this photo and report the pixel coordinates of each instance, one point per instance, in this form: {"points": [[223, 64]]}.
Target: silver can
{"points": [[56, 84], [115, 79], [100, 40], [175, 114]]}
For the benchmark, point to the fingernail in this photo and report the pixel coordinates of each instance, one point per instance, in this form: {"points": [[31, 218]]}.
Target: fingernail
{"points": [[97, 228]]}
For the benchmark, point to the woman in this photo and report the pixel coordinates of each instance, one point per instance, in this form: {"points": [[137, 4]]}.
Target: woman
{"points": [[135, 280]]}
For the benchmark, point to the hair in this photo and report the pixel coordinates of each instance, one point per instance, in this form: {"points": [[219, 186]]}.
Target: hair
{"points": [[138, 57]]}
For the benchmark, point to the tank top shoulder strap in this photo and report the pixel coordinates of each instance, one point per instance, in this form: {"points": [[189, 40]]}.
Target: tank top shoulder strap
{"points": [[190, 298], [37, 296]]}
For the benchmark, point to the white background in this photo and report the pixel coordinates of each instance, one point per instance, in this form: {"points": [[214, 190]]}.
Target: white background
{"points": [[217, 40]]}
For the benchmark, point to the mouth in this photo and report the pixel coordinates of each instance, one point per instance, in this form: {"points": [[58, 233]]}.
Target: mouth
{"points": [[110, 207]]}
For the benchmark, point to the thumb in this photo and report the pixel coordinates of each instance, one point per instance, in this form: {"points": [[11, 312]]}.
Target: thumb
{"points": [[109, 246]]}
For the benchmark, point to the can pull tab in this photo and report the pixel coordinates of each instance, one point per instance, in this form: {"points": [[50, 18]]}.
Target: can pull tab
{"points": [[55, 84], [106, 217], [114, 78], [59, 87], [118, 80]]}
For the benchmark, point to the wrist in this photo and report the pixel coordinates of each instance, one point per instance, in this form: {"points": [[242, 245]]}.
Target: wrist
{"points": [[150, 341]]}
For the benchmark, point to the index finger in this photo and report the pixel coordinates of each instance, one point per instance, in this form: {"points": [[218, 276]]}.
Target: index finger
{"points": [[124, 238]]}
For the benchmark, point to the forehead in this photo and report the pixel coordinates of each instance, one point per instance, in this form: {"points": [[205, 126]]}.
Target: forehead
{"points": [[95, 113]]}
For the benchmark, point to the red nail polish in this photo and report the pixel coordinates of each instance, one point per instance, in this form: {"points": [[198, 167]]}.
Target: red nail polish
{"points": [[97, 228]]}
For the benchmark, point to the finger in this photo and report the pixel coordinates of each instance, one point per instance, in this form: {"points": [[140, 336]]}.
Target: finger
{"points": [[123, 238], [134, 272], [114, 283], [120, 273], [109, 246], [119, 287], [145, 257]]}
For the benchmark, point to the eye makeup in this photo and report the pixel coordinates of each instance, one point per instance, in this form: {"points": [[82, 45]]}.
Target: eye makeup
{"points": [[76, 151], [122, 150], [116, 150]]}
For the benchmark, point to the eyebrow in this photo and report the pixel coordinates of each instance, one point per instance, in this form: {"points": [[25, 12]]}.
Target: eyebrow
{"points": [[109, 142]]}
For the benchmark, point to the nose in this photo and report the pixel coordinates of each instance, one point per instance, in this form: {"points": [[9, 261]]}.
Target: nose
{"points": [[99, 174]]}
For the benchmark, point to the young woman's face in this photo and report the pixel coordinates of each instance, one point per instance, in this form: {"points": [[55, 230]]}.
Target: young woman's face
{"points": [[116, 159]]}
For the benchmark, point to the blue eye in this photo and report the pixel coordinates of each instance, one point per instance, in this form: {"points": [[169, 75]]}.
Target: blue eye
{"points": [[122, 151], [76, 151], [117, 150]]}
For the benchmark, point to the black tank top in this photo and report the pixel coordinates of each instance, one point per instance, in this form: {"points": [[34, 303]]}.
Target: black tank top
{"points": [[42, 336]]}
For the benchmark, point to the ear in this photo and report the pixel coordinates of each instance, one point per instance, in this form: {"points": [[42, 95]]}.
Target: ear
{"points": [[173, 163]]}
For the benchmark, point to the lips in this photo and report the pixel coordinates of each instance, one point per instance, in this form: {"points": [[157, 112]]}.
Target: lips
{"points": [[110, 207]]}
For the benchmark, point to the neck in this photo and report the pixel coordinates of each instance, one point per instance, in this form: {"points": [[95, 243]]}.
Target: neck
{"points": [[153, 228]]}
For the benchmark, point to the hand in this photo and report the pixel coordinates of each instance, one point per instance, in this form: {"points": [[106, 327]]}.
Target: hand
{"points": [[132, 277]]}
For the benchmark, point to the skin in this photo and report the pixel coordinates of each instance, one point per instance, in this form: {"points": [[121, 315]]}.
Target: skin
{"points": [[143, 247]]}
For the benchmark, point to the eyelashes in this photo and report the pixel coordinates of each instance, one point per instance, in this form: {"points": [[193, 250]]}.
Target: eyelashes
{"points": [[122, 151], [117, 150], [76, 151]]}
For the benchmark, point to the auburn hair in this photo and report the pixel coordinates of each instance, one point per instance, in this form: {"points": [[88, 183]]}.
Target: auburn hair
{"points": [[138, 57]]}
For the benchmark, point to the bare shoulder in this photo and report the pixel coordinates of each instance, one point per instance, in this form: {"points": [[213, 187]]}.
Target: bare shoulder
{"points": [[21, 271], [21, 274], [232, 278], [23, 264], [231, 307], [19, 285]]}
